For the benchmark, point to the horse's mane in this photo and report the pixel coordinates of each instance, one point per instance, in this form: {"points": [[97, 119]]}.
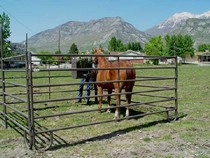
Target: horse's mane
{"points": [[103, 60]]}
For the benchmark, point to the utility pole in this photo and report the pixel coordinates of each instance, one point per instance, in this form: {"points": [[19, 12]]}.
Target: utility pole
{"points": [[174, 49], [59, 42], [1, 42]]}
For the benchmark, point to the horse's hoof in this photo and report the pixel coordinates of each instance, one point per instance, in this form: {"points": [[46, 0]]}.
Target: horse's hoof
{"points": [[127, 117], [116, 119], [99, 110], [116, 115], [127, 113], [108, 110]]}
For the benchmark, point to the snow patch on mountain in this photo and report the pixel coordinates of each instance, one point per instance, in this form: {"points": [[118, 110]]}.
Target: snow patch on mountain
{"points": [[180, 17]]}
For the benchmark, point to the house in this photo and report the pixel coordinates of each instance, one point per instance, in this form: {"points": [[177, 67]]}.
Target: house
{"points": [[198, 57], [205, 57], [35, 60], [20, 50], [170, 61], [130, 55]]}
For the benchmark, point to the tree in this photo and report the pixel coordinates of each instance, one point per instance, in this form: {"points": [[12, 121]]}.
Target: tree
{"points": [[117, 45], [135, 46], [58, 52], [179, 45], [112, 46], [187, 46], [73, 49], [170, 42], [203, 47], [5, 22], [154, 46], [47, 59]]}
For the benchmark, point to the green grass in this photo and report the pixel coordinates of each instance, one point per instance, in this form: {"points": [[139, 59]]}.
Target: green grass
{"points": [[192, 125]]}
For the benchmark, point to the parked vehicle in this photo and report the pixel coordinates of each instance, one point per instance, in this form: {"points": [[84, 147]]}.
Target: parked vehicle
{"points": [[18, 64]]}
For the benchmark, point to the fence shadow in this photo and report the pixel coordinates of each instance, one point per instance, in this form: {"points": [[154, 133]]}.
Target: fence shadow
{"points": [[112, 134], [43, 139]]}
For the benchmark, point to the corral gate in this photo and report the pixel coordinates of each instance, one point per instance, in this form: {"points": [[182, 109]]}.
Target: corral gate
{"points": [[40, 99]]}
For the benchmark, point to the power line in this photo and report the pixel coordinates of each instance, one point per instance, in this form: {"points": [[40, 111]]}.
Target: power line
{"points": [[25, 26]]}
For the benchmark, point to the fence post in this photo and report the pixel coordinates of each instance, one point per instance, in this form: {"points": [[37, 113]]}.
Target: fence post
{"points": [[3, 77], [29, 96], [176, 87]]}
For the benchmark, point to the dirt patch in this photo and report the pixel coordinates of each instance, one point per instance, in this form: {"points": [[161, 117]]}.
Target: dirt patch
{"points": [[137, 143]]}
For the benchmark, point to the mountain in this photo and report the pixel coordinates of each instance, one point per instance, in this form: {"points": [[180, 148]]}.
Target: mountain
{"points": [[199, 29], [86, 35], [177, 20], [198, 26]]}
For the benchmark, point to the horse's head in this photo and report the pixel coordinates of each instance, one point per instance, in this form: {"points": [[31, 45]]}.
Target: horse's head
{"points": [[97, 52]]}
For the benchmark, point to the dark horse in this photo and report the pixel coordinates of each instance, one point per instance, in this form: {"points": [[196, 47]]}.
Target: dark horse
{"points": [[128, 73]]}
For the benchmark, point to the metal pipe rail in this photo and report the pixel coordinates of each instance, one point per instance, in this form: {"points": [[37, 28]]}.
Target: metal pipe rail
{"points": [[100, 122], [42, 85]]}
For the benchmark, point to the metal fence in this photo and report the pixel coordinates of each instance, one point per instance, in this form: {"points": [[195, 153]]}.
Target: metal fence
{"points": [[39, 100]]}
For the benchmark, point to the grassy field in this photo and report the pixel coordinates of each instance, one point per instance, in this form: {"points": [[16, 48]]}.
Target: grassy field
{"points": [[149, 136]]}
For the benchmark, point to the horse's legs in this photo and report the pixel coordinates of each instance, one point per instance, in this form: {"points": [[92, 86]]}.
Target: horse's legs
{"points": [[128, 101], [117, 112], [128, 98], [109, 99], [100, 92]]}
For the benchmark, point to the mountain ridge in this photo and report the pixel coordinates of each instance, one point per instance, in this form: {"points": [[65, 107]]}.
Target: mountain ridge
{"points": [[98, 32], [86, 35], [175, 20]]}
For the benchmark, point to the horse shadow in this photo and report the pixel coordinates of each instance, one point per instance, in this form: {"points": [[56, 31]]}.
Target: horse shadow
{"points": [[132, 112]]}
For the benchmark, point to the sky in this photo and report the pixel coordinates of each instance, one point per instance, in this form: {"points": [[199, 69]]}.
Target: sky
{"points": [[34, 16]]}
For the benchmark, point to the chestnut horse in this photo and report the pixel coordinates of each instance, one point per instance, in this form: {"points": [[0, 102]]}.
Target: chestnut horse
{"points": [[114, 74]]}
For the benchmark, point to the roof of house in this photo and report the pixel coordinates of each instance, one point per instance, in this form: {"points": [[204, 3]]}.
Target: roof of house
{"points": [[205, 54], [199, 53], [128, 52], [202, 53]]}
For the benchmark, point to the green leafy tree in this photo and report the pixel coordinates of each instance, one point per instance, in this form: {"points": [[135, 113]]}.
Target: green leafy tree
{"points": [[138, 46], [46, 58], [58, 52], [187, 46], [135, 46], [112, 46], [169, 45], [129, 46], [73, 49], [119, 45], [5, 22], [203, 47], [154, 46], [179, 45]]}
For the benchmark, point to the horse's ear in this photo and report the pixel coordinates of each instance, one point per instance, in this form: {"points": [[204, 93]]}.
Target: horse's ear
{"points": [[95, 50]]}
